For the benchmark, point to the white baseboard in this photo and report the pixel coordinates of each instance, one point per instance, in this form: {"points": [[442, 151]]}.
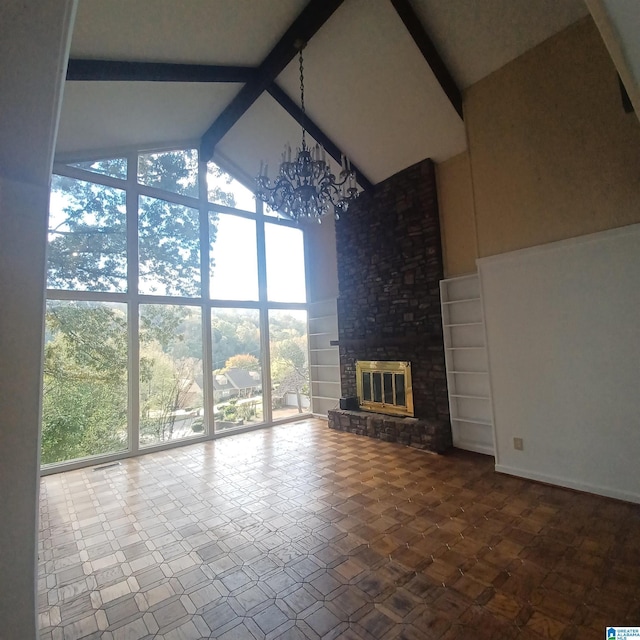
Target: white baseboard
{"points": [[618, 494], [477, 447]]}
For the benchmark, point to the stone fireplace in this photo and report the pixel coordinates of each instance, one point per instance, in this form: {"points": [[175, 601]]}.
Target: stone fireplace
{"points": [[389, 269]]}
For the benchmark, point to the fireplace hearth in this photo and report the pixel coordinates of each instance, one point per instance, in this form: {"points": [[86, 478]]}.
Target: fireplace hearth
{"points": [[420, 434]]}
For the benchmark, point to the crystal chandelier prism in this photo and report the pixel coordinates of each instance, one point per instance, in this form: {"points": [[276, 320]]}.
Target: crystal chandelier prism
{"points": [[305, 187]]}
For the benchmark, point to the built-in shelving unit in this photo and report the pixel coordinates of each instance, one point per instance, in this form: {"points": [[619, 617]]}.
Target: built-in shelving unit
{"points": [[467, 366], [324, 358]]}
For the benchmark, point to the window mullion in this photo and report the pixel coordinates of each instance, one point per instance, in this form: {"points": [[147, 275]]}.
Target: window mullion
{"points": [[264, 314], [207, 347], [134, 306]]}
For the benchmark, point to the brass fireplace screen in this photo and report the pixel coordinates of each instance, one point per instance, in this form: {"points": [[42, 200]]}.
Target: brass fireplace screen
{"points": [[385, 386]]}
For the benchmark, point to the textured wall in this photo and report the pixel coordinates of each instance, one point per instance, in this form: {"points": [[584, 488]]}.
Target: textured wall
{"points": [[553, 154], [457, 218]]}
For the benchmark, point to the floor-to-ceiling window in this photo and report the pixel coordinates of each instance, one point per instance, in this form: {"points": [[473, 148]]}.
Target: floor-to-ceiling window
{"points": [[176, 308]]}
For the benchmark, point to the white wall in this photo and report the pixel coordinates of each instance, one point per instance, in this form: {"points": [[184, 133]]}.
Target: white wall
{"points": [[34, 40], [619, 23], [563, 338], [321, 259]]}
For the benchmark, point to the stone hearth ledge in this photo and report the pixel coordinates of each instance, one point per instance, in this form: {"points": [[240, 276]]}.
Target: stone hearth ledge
{"points": [[431, 435]]}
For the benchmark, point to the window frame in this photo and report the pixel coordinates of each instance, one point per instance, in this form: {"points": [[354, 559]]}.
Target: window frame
{"points": [[133, 299]]}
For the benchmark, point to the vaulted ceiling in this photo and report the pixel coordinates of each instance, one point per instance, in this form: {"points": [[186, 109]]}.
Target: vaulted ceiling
{"points": [[368, 86]]}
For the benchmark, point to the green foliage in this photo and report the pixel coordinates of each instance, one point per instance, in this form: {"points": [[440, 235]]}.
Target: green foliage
{"points": [[247, 410], [169, 246], [162, 323], [175, 171], [87, 239], [289, 357], [85, 381], [216, 192], [114, 167], [87, 234], [164, 391], [167, 375], [234, 333], [244, 361], [289, 368], [283, 326], [197, 426], [230, 410]]}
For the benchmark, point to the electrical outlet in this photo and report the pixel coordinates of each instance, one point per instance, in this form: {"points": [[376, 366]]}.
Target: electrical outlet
{"points": [[518, 444]]}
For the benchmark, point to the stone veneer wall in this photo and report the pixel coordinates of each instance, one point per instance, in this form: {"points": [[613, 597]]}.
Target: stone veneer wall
{"points": [[389, 268]]}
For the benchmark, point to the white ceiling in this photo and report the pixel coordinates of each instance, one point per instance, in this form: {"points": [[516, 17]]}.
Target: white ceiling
{"points": [[234, 32], [366, 83], [477, 38]]}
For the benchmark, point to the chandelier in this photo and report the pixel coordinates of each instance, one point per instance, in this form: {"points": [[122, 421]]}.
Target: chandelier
{"points": [[305, 188]]}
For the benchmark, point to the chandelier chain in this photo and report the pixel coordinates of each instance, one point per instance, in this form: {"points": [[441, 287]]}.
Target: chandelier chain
{"points": [[304, 117]]}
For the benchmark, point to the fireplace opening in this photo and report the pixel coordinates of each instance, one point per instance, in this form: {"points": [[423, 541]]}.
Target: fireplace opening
{"points": [[385, 387]]}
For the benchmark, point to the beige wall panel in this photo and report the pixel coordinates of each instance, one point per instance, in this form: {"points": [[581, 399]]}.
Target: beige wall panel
{"points": [[553, 155], [457, 226]]}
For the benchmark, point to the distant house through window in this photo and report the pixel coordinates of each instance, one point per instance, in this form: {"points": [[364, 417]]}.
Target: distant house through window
{"points": [[176, 308]]}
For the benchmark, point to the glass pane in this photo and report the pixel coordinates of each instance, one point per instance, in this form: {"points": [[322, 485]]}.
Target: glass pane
{"points": [[169, 245], [175, 171], [233, 257], [289, 363], [87, 237], [285, 264], [400, 393], [114, 167], [237, 368], [85, 380], [388, 388], [171, 400], [366, 386], [223, 189], [377, 387], [268, 211]]}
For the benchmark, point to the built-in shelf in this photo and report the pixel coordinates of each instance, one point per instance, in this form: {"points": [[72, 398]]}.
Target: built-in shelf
{"points": [[446, 302], [460, 395], [324, 356], [486, 423], [464, 324], [466, 363], [473, 373]]}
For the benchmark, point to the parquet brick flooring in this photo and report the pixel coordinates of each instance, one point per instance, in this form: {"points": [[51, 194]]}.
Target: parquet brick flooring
{"points": [[302, 532]]}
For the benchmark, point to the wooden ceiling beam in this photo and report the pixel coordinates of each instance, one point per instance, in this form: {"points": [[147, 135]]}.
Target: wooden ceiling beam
{"points": [[314, 130], [120, 70], [312, 17], [430, 53]]}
